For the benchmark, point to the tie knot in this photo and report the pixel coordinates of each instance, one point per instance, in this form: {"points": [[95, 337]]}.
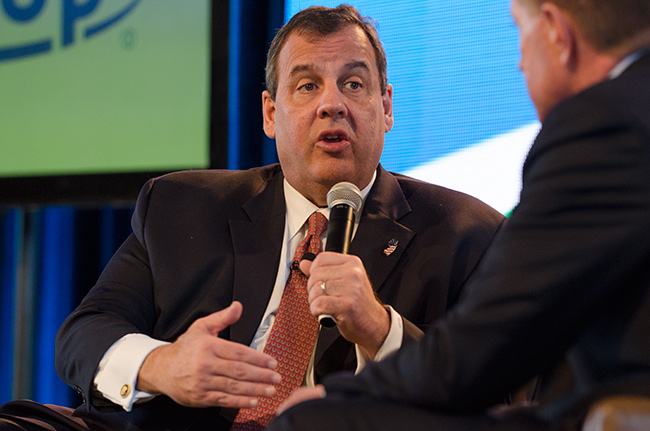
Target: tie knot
{"points": [[317, 224]]}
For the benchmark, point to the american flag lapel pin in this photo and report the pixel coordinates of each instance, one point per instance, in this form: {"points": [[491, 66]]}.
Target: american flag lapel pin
{"points": [[392, 245]]}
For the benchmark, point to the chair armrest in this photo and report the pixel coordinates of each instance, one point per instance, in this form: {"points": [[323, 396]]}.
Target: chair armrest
{"points": [[619, 413]]}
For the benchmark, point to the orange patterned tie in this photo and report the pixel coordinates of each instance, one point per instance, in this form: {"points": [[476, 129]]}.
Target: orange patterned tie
{"points": [[292, 336]]}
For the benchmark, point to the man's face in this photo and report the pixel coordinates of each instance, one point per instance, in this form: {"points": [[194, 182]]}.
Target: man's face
{"points": [[329, 116], [545, 74]]}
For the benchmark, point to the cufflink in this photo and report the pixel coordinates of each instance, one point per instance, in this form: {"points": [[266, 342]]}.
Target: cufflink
{"points": [[125, 390]]}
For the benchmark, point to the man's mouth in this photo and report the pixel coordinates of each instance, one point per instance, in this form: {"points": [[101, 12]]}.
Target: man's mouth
{"points": [[333, 137]]}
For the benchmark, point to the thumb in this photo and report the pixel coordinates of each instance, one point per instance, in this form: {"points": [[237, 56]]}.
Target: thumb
{"points": [[220, 320]]}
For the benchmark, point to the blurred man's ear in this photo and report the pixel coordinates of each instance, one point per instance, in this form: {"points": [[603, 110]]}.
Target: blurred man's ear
{"points": [[561, 33]]}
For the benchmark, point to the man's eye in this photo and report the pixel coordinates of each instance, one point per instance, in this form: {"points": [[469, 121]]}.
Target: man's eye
{"points": [[353, 85], [308, 87]]}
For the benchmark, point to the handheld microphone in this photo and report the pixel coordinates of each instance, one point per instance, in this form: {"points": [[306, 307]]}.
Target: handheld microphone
{"points": [[344, 200]]}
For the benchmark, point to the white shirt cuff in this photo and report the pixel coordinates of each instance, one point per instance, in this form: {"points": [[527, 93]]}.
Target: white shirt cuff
{"points": [[391, 344], [118, 370]]}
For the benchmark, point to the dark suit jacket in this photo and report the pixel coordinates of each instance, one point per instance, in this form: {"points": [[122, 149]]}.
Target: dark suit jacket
{"points": [[564, 287], [202, 239]]}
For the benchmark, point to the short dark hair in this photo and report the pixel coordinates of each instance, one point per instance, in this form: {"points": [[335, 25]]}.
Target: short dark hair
{"points": [[606, 24], [322, 21]]}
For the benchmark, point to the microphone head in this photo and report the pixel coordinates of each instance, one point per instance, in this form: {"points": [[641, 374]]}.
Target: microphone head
{"points": [[345, 193]]}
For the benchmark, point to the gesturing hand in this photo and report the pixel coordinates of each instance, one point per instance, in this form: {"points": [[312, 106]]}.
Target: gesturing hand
{"points": [[201, 370]]}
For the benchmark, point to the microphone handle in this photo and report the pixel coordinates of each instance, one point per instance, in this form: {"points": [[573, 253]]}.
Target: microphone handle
{"points": [[339, 236], [339, 229]]}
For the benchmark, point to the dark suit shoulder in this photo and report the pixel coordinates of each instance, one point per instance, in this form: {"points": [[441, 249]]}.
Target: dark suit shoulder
{"points": [[202, 194], [457, 207], [218, 183]]}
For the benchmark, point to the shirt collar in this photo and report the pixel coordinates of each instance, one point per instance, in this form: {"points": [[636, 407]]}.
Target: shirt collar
{"points": [[299, 208], [625, 63]]}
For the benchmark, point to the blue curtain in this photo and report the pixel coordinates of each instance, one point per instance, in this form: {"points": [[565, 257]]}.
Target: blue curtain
{"points": [[252, 26], [50, 257], [11, 223]]}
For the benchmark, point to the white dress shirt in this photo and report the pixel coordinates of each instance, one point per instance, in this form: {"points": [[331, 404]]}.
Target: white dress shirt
{"points": [[118, 370]]}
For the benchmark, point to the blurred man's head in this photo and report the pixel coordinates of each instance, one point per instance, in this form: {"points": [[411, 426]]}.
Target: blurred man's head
{"points": [[328, 105], [570, 45], [606, 24]]}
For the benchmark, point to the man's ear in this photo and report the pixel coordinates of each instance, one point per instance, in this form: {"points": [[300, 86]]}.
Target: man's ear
{"points": [[561, 32], [268, 112], [387, 102]]}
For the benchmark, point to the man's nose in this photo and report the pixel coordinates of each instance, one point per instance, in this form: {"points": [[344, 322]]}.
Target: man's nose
{"points": [[332, 103]]}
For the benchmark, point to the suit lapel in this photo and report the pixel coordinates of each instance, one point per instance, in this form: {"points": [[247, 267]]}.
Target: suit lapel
{"points": [[379, 224], [257, 244], [384, 206]]}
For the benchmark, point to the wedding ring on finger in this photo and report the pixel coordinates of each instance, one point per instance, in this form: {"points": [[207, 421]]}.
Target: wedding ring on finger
{"points": [[322, 287]]}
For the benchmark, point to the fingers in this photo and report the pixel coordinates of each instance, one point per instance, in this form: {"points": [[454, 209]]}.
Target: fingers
{"points": [[239, 387], [239, 362], [220, 320], [305, 266], [215, 323], [232, 393], [234, 384], [211, 397], [223, 399], [240, 353], [348, 297], [209, 371], [341, 274], [300, 395]]}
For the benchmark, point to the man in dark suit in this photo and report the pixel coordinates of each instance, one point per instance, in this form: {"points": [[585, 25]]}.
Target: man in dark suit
{"points": [[564, 288], [211, 251]]}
